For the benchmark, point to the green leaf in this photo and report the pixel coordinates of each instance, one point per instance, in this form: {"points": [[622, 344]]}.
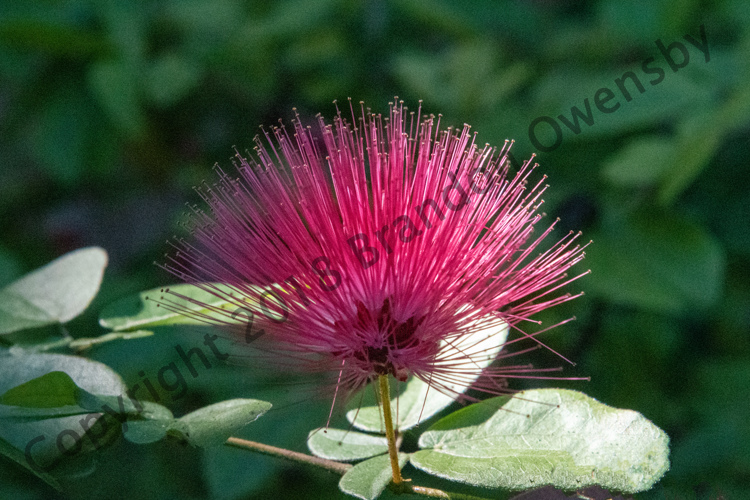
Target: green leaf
{"points": [[170, 78], [55, 293], [335, 444], [658, 261], [548, 436], [368, 479], [699, 139], [57, 392], [416, 401], [146, 431], [52, 37], [18, 456], [214, 424], [231, 473], [65, 117], [641, 162], [51, 390], [153, 424], [9, 266], [113, 83], [26, 414], [144, 310], [79, 430], [154, 411]]}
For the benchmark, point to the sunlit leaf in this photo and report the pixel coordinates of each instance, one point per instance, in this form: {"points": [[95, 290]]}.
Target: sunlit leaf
{"points": [[548, 436], [336, 444], [368, 479], [146, 309], [55, 293]]}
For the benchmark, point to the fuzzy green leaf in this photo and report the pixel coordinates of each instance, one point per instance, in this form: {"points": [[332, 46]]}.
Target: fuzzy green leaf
{"points": [[549, 436], [55, 293], [170, 78], [336, 444]]}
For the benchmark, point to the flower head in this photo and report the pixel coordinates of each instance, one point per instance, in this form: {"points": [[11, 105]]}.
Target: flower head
{"points": [[377, 246]]}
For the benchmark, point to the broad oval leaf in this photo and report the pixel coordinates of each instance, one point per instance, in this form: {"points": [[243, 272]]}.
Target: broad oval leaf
{"points": [[214, 424], [336, 444], [368, 479], [416, 401], [54, 293], [42, 439], [548, 436]]}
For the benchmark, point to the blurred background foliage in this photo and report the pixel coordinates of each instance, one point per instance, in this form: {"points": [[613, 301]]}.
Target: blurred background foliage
{"points": [[111, 110]]}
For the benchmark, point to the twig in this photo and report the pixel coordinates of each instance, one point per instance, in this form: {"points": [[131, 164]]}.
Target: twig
{"points": [[294, 456], [339, 468]]}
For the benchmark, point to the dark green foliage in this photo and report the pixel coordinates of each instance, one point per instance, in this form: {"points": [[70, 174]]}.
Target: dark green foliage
{"points": [[110, 111]]}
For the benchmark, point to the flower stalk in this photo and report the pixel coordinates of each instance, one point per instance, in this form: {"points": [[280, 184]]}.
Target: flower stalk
{"points": [[385, 397]]}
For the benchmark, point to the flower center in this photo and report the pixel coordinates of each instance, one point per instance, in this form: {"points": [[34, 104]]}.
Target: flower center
{"points": [[395, 338]]}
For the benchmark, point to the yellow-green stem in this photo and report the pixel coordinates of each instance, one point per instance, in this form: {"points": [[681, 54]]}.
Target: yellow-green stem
{"points": [[385, 397]]}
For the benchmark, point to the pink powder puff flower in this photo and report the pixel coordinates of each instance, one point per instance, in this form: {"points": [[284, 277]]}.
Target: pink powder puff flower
{"points": [[377, 249]]}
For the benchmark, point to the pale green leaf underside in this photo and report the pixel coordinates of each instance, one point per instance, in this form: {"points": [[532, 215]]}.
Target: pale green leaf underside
{"points": [[92, 377], [368, 479], [146, 431], [54, 293], [336, 444], [214, 424], [153, 426], [548, 436], [416, 401]]}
